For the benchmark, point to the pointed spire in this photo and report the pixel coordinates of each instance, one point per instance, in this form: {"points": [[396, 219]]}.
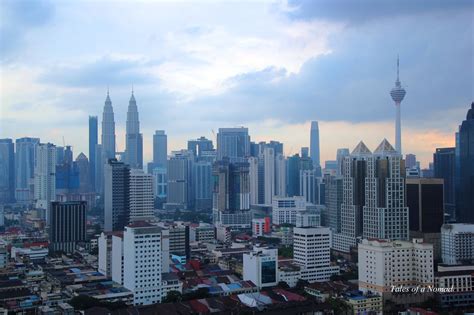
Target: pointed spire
{"points": [[361, 149], [107, 99], [398, 68], [385, 148]]}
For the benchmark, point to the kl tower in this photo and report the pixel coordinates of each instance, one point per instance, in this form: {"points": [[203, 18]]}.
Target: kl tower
{"points": [[398, 93]]}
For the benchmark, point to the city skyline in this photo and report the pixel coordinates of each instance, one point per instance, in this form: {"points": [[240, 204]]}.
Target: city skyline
{"points": [[331, 67]]}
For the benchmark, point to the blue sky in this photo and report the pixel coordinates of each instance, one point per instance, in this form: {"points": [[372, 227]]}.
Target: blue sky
{"points": [[271, 66]]}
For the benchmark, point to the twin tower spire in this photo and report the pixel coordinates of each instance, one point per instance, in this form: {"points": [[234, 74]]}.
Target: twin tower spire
{"points": [[133, 154]]}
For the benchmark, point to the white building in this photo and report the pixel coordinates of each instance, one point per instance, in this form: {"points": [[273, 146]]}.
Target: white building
{"points": [[308, 219], [45, 176], [289, 274], [459, 280], [312, 252], [280, 175], [383, 264], [143, 251], [141, 195], [261, 267], [457, 243], [203, 232], [105, 260], [117, 263], [285, 209]]}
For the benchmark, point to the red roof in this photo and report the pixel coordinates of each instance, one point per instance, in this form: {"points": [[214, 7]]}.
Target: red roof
{"points": [[198, 306]]}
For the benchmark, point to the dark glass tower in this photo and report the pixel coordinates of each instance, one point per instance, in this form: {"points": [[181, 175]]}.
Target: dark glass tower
{"points": [[7, 171], [67, 225], [93, 138], [465, 200], [444, 167]]}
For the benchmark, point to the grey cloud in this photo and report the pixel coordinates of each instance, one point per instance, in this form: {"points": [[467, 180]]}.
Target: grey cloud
{"points": [[99, 73], [366, 10], [18, 18]]}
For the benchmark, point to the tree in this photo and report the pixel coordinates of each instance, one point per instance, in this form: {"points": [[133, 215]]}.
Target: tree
{"points": [[286, 251], [301, 284], [173, 297], [339, 306]]}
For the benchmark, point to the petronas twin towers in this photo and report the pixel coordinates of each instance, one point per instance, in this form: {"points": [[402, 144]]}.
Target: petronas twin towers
{"points": [[133, 154]]}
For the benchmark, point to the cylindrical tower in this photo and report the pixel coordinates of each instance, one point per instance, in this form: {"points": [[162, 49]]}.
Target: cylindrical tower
{"points": [[398, 93]]}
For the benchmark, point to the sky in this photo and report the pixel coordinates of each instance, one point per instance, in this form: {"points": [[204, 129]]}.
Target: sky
{"points": [[271, 66]]}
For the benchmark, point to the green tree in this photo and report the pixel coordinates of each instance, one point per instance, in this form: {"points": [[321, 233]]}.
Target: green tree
{"points": [[339, 306], [283, 285], [173, 297]]}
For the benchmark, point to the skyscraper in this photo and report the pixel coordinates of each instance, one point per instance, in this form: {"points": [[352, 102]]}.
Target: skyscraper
{"points": [[465, 202], [93, 140], [180, 186], [45, 176], [198, 146], [25, 168], [108, 132], [116, 195], [410, 160], [160, 148], [398, 93], [341, 153], [67, 225], [333, 197], [134, 139], [202, 181], [7, 171], [268, 174], [444, 160], [83, 168], [314, 144], [233, 143]]}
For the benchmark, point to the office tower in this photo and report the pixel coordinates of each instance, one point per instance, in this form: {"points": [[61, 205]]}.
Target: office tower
{"points": [[200, 145], [333, 196], [99, 170], [314, 144], [312, 252], [410, 160], [311, 187], [385, 264], [457, 243], [83, 165], [108, 136], [304, 152], [425, 205], [141, 196], [67, 225], [261, 267], [385, 214], [160, 181], [340, 155], [253, 179], [25, 168], [268, 158], [233, 143], [93, 141], [397, 94], [45, 176], [231, 194], [67, 176], [444, 161], [296, 164], [116, 195], [59, 155], [284, 209], [160, 148], [180, 185], [133, 137], [280, 175], [202, 181], [7, 171], [143, 250], [464, 210]]}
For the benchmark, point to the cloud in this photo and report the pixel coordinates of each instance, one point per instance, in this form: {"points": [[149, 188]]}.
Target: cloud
{"points": [[355, 12], [100, 72], [18, 18]]}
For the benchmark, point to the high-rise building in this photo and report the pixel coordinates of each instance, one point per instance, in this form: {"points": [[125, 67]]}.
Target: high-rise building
{"points": [[144, 246], [133, 137], [83, 165], [465, 202], [314, 144], [231, 194], [108, 139], [202, 180], [444, 161], [93, 141], [268, 158], [410, 160], [233, 143], [457, 243], [253, 180], [261, 267], [67, 225], [284, 209], [45, 176], [340, 155], [116, 195], [141, 196], [425, 204], [180, 184], [333, 197], [387, 264], [25, 168], [398, 93], [160, 183], [160, 148], [312, 252], [311, 187], [99, 170], [374, 204], [280, 175], [7, 171], [200, 145], [296, 164]]}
